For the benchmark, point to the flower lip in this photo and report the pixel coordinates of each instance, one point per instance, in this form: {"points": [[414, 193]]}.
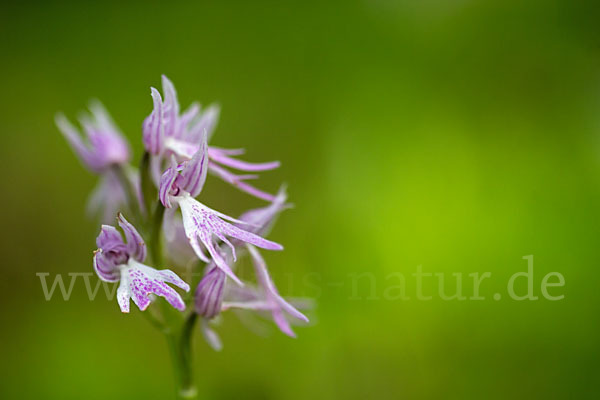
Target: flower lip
{"points": [[138, 281], [202, 225]]}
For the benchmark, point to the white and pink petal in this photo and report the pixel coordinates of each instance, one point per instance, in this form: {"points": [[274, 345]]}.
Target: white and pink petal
{"points": [[139, 281]]}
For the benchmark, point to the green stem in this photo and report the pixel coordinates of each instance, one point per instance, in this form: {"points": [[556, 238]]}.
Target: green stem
{"points": [[149, 192], [154, 321], [180, 346], [155, 231]]}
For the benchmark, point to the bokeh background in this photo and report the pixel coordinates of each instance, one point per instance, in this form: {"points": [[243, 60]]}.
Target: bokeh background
{"points": [[456, 135]]}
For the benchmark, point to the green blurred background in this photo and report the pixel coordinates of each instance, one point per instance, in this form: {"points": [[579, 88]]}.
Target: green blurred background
{"points": [[456, 135]]}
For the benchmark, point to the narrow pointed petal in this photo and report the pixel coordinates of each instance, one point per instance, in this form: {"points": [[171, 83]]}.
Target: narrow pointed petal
{"points": [[205, 238], [228, 152], [263, 218], [264, 279], [206, 123], [259, 305], [136, 246], [166, 183], [282, 323], [193, 240], [249, 237], [153, 127], [211, 336], [141, 300], [171, 277], [123, 296], [170, 93], [171, 107], [229, 244], [103, 119], [105, 138], [76, 142], [186, 118], [193, 175], [235, 181], [223, 159]]}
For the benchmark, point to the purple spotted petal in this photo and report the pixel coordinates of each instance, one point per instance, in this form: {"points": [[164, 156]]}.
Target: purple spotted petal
{"points": [[135, 244], [202, 223], [171, 277], [138, 281]]}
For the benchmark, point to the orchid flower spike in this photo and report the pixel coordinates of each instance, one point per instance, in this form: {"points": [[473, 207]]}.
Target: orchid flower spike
{"points": [[180, 183], [104, 145], [167, 133], [118, 260]]}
